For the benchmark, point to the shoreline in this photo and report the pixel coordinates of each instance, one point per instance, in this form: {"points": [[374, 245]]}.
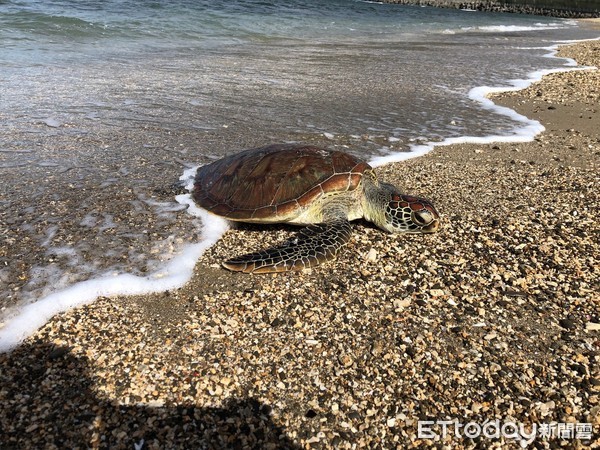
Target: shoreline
{"points": [[375, 310]]}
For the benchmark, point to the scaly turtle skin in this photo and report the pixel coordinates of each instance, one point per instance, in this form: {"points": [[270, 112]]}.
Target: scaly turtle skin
{"points": [[305, 185]]}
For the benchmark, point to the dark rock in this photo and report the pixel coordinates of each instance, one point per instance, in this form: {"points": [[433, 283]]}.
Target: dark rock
{"points": [[311, 413], [567, 324]]}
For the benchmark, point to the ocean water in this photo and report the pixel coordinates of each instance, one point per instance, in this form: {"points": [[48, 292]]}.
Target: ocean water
{"points": [[106, 104]]}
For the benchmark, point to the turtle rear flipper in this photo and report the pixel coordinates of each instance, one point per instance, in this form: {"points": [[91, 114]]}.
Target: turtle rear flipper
{"points": [[310, 247]]}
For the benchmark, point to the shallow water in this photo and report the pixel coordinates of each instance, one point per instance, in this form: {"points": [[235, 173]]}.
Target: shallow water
{"points": [[343, 67], [104, 104]]}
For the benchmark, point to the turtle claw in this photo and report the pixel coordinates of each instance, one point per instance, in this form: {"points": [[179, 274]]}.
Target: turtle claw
{"points": [[254, 267]]}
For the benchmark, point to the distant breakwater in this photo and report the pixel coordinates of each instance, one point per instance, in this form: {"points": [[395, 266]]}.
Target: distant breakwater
{"points": [[554, 8]]}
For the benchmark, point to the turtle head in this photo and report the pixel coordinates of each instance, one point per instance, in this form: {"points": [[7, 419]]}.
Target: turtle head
{"points": [[408, 214]]}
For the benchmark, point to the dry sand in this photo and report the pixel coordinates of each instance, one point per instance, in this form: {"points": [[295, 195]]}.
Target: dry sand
{"points": [[493, 318]]}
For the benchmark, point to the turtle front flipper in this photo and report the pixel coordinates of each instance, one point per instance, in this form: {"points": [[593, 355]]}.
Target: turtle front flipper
{"points": [[310, 247]]}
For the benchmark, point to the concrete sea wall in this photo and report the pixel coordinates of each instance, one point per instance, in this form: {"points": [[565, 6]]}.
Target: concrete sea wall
{"points": [[556, 8]]}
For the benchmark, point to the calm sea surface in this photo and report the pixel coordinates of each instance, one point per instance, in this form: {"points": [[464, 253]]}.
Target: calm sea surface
{"points": [[103, 104]]}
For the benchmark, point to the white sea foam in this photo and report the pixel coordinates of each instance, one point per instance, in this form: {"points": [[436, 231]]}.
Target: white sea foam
{"points": [[525, 129], [174, 274], [516, 28], [162, 209]]}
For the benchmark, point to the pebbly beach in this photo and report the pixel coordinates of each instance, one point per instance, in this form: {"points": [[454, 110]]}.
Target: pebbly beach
{"points": [[493, 320]]}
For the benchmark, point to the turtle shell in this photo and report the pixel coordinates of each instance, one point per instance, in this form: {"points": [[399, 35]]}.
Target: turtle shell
{"points": [[274, 183]]}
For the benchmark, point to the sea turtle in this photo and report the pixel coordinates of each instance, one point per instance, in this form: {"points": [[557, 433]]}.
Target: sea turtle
{"points": [[305, 185]]}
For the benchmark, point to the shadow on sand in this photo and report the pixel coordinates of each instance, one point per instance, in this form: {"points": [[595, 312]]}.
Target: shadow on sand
{"points": [[48, 400]]}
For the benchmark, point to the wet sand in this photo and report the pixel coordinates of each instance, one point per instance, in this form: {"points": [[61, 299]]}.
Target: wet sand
{"points": [[493, 318]]}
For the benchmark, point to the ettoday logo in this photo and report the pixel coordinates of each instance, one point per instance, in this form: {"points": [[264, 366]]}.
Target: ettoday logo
{"points": [[496, 429]]}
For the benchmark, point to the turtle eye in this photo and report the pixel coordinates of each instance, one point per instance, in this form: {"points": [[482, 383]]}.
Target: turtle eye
{"points": [[422, 217]]}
